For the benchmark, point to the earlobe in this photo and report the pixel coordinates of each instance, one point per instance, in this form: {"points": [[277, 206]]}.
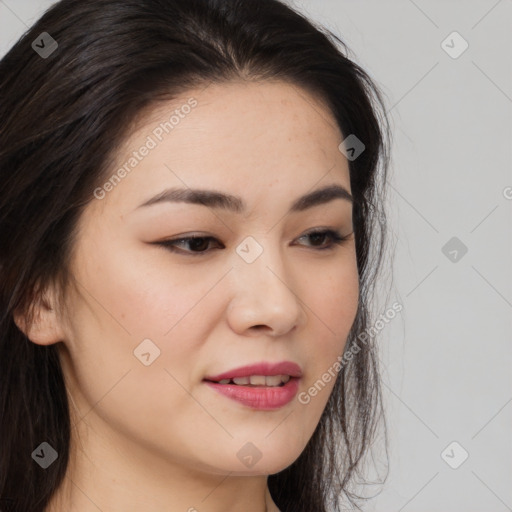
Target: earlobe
{"points": [[45, 328]]}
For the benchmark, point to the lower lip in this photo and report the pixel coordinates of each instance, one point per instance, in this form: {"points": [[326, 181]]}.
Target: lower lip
{"points": [[262, 398]]}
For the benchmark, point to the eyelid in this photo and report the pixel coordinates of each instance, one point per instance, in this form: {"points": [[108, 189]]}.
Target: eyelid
{"points": [[335, 235]]}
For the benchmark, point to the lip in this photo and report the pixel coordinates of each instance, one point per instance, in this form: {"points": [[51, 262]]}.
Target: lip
{"points": [[265, 368], [262, 398]]}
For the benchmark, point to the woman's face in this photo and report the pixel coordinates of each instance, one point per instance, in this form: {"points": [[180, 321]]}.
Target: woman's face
{"points": [[149, 322]]}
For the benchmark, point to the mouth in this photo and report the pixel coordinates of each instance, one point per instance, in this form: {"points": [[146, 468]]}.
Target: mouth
{"points": [[257, 381], [262, 386], [258, 392]]}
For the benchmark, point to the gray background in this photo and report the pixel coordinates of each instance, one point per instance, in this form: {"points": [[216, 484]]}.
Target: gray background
{"points": [[446, 358]]}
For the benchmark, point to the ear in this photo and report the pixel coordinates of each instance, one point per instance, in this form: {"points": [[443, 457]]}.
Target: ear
{"points": [[45, 328]]}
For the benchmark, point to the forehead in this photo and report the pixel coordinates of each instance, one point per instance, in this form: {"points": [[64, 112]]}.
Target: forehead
{"points": [[245, 137]]}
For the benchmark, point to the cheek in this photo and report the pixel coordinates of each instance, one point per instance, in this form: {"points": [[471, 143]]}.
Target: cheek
{"points": [[336, 312], [121, 304], [332, 300], [122, 301], [146, 295], [342, 296]]}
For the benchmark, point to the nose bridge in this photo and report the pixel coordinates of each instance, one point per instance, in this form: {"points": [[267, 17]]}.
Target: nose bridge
{"points": [[262, 263], [264, 293]]}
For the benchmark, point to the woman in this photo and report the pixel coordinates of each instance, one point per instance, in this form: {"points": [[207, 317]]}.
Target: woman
{"points": [[191, 223]]}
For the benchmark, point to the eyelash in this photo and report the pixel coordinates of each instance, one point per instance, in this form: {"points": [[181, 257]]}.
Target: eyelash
{"points": [[336, 237]]}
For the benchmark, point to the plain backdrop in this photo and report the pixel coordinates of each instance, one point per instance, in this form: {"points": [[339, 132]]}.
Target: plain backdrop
{"points": [[446, 358]]}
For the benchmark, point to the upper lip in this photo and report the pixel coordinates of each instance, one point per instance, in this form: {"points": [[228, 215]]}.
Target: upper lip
{"points": [[264, 368]]}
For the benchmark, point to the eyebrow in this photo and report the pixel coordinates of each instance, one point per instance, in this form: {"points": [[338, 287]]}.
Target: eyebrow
{"points": [[216, 199]]}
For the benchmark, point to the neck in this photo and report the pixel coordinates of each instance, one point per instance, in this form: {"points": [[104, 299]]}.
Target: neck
{"points": [[106, 474]]}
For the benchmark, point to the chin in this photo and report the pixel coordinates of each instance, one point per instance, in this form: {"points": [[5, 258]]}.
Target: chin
{"points": [[268, 465]]}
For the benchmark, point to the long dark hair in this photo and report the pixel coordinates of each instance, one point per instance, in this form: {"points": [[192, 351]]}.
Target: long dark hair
{"points": [[63, 115]]}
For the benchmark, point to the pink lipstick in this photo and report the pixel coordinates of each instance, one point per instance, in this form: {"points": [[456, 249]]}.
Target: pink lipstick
{"points": [[263, 386]]}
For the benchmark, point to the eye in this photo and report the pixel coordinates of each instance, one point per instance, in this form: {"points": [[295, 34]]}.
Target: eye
{"points": [[198, 245], [321, 234]]}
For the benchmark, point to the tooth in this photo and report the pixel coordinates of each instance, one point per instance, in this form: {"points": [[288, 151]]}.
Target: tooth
{"points": [[241, 381], [257, 380], [274, 380]]}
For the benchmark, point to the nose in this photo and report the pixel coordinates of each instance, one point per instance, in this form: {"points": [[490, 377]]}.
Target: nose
{"points": [[264, 298]]}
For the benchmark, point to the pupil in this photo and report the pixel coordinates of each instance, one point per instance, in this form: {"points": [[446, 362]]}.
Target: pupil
{"points": [[317, 237], [198, 243]]}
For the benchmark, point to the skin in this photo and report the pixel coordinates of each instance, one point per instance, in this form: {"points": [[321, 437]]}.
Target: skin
{"points": [[156, 437]]}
